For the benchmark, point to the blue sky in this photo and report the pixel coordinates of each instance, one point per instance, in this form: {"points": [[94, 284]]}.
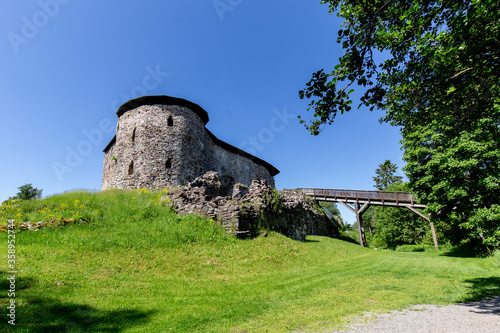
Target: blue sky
{"points": [[68, 64]]}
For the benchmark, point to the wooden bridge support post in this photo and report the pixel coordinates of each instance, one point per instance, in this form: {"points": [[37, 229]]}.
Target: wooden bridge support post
{"points": [[427, 217], [361, 229], [358, 210], [434, 238]]}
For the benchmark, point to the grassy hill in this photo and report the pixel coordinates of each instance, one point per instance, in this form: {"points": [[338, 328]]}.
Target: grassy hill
{"points": [[135, 266]]}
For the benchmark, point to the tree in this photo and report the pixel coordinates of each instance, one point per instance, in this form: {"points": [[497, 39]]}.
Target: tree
{"points": [[385, 175], [384, 179], [28, 192], [369, 220], [332, 207], [456, 171], [433, 66], [397, 226], [437, 54]]}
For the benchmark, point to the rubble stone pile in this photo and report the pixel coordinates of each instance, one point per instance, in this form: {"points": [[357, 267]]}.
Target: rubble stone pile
{"points": [[245, 211]]}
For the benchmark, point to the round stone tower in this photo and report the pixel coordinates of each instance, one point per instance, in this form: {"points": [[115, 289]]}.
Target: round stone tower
{"points": [[162, 141], [157, 143]]}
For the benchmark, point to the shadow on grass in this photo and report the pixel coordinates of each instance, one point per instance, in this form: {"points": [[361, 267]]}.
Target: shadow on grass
{"points": [[460, 251], [347, 239], [483, 288], [21, 283], [311, 240], [487, 306], [46, 314], [466, 249], [50, 315]]}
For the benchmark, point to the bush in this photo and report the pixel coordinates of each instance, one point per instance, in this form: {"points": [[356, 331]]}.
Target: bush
{"points": [[398, 226], [411, 248]]}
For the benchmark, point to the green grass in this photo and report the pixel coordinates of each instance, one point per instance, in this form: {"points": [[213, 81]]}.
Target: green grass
{"points": [[138, 267]]}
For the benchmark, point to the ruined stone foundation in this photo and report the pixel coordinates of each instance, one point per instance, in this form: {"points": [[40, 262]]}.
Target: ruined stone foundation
{"points": [[245, 211]]}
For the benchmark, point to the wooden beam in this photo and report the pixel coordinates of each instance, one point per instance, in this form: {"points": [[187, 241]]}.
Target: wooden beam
{"points": [[348, 207], [434, 237], [418, 213], [358, 210], [361, 200], [361, 228], [364, 207], [369, 201], [373, 197]]}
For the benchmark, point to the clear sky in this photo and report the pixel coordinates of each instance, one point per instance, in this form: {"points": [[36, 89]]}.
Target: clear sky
{"points": [[67, 65]]}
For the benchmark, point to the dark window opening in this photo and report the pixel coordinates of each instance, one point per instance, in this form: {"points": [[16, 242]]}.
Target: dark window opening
{"points": [[133, 136], [131, 168], [170, 121], [168, 164], [227, 180]]}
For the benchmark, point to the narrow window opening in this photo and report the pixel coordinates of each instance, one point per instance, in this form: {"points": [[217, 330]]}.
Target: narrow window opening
{"points": [[168, 164], [133, 136], [170, 121], [131, 168]]}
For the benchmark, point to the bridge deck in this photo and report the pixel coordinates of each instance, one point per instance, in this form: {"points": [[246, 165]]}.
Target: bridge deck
{"points": [[362, 199], [377, 198]]}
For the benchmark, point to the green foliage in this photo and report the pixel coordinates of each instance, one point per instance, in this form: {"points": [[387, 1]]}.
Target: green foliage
{"points": [[410, 248], [417, 248], [28, 192], [276, 201], [331, 206], [385, 175], [369, 220], [438, 80], [485, 224], [332, 209], [398, 226], [455, 170], [436, 54]]}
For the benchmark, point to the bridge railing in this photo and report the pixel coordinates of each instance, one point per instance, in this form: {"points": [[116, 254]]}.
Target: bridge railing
{"points": [[350, 195]]}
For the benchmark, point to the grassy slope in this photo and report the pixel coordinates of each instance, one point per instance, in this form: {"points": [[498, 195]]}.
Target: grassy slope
{"points": [[137, 267]]}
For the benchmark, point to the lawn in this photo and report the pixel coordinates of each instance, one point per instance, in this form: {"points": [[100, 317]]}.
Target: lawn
{"points": [[135, 266]]}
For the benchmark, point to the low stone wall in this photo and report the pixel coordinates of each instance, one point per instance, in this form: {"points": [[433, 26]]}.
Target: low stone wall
{"points": [[245, 211]]}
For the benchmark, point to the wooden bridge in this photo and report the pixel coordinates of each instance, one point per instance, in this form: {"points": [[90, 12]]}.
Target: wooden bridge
{"points": [[361, 200]]}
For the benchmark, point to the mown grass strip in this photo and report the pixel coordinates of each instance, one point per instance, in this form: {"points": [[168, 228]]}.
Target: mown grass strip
{"points": [[138, 267]]}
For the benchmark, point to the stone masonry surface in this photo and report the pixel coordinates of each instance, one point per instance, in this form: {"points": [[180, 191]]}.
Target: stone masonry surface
{"points": [[160, 145], [245, 210]]}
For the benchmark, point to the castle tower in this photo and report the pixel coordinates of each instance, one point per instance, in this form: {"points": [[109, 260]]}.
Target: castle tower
{"points": [[162, 140]]}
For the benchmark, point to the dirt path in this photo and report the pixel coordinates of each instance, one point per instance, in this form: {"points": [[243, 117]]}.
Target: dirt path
{"points": [[483, 316]]}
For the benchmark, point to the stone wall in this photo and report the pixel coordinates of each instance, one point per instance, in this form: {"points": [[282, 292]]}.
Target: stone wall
{"points": [[251, 209], [160, 145], [151, 153], [236, 166]]}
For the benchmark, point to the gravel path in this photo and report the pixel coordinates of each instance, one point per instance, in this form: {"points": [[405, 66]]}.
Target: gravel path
{"points": [[483, 316]]}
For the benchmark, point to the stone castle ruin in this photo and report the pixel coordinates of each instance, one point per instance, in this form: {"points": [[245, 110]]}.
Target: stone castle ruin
{"points": [[162, 141]]}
